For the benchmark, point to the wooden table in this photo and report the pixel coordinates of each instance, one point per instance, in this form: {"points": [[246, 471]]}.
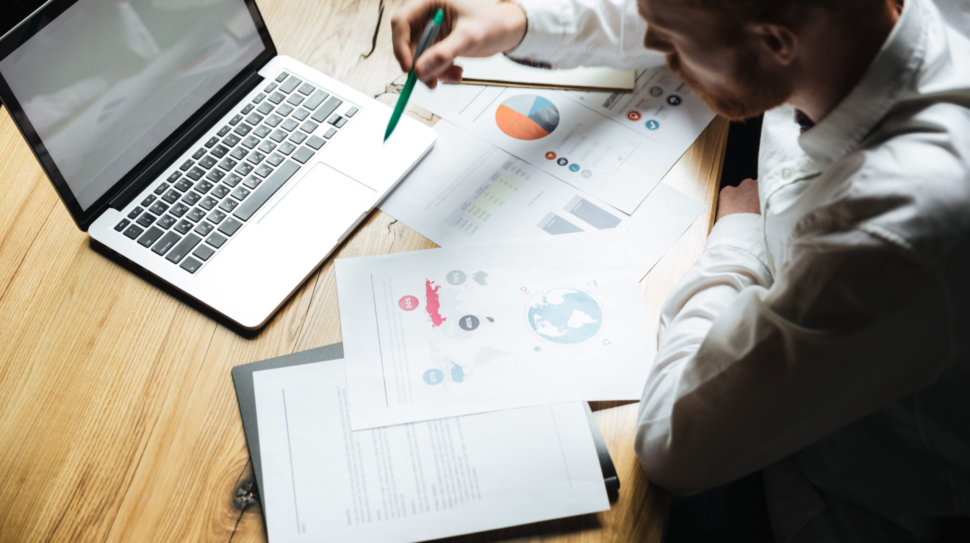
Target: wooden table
{"points": [[118, 419]]}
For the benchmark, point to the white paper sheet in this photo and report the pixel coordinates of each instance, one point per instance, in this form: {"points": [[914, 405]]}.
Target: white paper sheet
{"points": [[477, 328], [470, 191], [417, 481], [500, 69], [615, 147]]}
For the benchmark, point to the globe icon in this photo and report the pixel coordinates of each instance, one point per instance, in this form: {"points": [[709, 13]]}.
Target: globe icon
{"points": [[566, 316]]}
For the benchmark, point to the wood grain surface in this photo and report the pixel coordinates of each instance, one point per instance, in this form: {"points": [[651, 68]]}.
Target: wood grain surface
{"points": [[118, 418]]}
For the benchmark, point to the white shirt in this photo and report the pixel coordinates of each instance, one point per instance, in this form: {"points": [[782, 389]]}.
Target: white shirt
{"points": [[827, 340]]}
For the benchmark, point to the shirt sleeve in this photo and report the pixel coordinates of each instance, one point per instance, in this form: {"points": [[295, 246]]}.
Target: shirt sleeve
{"points": [[751, 369], [570, 33]]}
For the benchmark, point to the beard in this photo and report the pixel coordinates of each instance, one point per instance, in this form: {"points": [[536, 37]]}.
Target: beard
{"points": [[750, 92]]}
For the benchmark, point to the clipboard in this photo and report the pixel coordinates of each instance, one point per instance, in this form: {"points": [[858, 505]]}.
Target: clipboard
{"points": [[242, 378]]}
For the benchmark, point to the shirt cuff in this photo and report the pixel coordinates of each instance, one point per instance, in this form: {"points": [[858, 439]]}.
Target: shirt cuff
{"points": [[545, 33], [743, 231]]}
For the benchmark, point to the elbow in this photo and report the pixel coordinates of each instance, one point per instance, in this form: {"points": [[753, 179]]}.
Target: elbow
{"points": [[676, 465]]}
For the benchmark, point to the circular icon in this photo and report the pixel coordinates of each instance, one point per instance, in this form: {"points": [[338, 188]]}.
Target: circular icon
{"points": [[587, 174], [566, 316], [525, 290], [607, 342], [656, 91], [433, 376], [562, 161], [674, 100], [408, 303], [652, 125], [633, 115], [527, 117], [550, 155], [574, 168], [456, 277], [468, 323]]}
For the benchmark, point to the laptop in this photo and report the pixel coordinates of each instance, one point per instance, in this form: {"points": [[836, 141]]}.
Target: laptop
{"points": [[178, 139]]}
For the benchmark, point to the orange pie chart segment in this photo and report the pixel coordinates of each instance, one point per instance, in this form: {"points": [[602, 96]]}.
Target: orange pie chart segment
{"points": [[527, 117]]}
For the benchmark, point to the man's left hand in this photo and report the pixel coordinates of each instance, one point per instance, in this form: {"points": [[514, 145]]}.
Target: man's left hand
{"points": [[740, 199]]}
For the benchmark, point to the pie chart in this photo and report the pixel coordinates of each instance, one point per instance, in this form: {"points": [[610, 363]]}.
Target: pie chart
{"points": [[527, 117]]}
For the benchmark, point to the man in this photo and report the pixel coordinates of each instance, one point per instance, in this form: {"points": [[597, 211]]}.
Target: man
{"points": [[822, 336]]}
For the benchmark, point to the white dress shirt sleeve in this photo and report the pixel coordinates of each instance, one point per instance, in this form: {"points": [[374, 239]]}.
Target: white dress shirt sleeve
{"points": [[570, 33], [750, 369]]}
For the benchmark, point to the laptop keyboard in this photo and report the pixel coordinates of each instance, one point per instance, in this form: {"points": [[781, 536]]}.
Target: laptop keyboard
{"points": [[194, 212]]}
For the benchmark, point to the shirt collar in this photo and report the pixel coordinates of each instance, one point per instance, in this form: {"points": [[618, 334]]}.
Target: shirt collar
{"points": [[883, 84]]}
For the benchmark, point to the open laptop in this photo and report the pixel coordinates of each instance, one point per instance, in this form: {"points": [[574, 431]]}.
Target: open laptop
{"points": [[179, 139]]}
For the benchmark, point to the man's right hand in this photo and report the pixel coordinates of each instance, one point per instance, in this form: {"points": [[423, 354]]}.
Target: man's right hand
{"points": [[472, 28]]}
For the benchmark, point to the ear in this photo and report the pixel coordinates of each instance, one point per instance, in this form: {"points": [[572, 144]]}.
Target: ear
{"points": [[777, 41]]}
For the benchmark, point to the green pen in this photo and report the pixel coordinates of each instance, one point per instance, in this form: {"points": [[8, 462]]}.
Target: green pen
{"points": [[427, 40]]}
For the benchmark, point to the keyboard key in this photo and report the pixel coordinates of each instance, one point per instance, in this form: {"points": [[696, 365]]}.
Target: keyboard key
{"points": [[212, 141], [165, 222], [228, 164], [316, 142], [158, 208], [326, 109], [135, 212], [287, 148], [150, 237], [133, 232], [244, 168], [242, 130], [301, 114], [196, 173], [191, 198], [232, 180], [264, 171], [216, 240], [276, 98], [334, 120], [183, 226], [199, 154], [252, 182], [282, 77], [183, 248], [351, 112], [239, 153], [215, 176], [183, 185], [204, 187], [270, 88], [167, 242], [224, 130], [175, 175], [278, 136], [262, 131], [220, 151], [259, 98], [267, 147], [208, 162], [146, 219], [290, 84], [330, 133], [220, 191], [148, 200], [274, 120], [240, 193], [236, 120], [191, 265], [208, 203], [216, 216], [295, 99], [266, 108], [284, 110], [247, 109], [204, 228], [122, 225], [309, 127], [196, 215], [231, 140], [254, 119], [302, 155], [251, 142], [203, 252], [341, 122], [297, 137], [161, 188], [188, 164], [307, 89], [256, 200], [230, 227], [178, 209], [290, 125], [314, 101], [256, 157], [228, 205], [171, 196], [276, 159]]}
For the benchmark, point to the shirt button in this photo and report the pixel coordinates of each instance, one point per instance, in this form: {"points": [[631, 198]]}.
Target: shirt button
{"points": [[786, 173]]}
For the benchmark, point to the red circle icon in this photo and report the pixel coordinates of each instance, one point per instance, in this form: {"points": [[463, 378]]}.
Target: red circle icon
{"points": [[408, 303], [550, 155], [633, 115]]}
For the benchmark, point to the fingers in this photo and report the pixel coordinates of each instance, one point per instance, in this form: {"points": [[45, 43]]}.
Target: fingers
{"points": [[452, 75], [440, 58], [406, 27]]}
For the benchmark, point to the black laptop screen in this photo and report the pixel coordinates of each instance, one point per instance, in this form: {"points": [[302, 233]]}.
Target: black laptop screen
{"points": [[108, 81]]}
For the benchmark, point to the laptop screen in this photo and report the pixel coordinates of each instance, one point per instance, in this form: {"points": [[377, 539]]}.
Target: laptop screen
{"points": [[107, 81]]}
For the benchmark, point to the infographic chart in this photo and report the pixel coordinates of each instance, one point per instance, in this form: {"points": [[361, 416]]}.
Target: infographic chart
{"points": [[527, 117]]}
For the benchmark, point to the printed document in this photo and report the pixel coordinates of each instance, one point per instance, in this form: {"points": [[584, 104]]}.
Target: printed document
{"points": [[476, 328], [615, 147], [500, 69], [469, 191], [418, 481]]}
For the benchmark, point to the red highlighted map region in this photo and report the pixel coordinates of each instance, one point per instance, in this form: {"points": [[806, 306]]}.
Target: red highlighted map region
{"points": [[432, 305]]}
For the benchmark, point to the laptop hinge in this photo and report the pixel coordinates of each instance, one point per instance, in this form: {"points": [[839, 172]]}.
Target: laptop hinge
{"points": [[189, 136]]}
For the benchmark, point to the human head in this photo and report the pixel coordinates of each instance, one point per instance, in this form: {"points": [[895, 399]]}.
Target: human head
{"points": [[744, 57]]}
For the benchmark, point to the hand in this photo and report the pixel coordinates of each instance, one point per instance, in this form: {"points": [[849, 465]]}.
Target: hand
{"points": [[472, 28], [740, 199]]}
